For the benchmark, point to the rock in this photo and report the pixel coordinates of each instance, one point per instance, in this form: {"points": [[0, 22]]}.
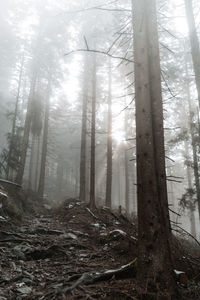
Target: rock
{"points": [[47, 206], [25, 290], [19, 251]]}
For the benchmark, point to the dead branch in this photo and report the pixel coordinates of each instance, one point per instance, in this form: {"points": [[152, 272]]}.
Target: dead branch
{"points": [[170, 158], [188, 233], [90, 8], [172, 176], [125, 107], [10, 182], [174, 212], [173, 180], [168, 88], [91, 213], [100, 52]]}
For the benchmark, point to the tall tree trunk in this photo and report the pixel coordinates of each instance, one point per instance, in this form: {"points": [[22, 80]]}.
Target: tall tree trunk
{"points": [[193, 139], [37, 163], [109, 144], [27, 127], [44, 143], [127, 177], [31, 165], [14, 120], [195, 49], [60, 174], [189, 179], [154, 262], [77, 176], [82, 190], [93, 140]]}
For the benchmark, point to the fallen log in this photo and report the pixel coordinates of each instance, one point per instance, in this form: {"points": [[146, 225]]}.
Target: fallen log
{"points": [[10, 183]]}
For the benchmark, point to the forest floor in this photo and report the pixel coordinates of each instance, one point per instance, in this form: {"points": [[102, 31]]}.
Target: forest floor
{"points": [[44, 256]]}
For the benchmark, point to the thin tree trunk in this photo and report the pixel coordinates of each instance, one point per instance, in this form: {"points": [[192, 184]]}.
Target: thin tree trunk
{"points": [[127, 177], [82, 190], [77, 176], [195, 49], [93, 133], [44, 143], [193, 139], [189, 179], [59, 180], [154, 262], [109, 144], [37, 163], [14, 120], [31, 165], [27, 127]]}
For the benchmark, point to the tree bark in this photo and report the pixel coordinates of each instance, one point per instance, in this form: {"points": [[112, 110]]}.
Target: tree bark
{"points": [[193, 139], [194, 43], [25, 141], [60, 174], [44, 143], [154, 262], [109, 144], [37, 163], [127, 175], [93, 133], [31, 165], [14, 121], [82, 190], [189, 179]]}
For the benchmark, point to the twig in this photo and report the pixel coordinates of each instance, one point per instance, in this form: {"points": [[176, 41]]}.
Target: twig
{"points": [[125, 107], [174, 212], [174, 180], [91, 213], [86, 43], [170, 158], [172, 176]]}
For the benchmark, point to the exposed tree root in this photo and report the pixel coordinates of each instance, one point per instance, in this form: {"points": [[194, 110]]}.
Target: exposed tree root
{"points": [[127, 271]]}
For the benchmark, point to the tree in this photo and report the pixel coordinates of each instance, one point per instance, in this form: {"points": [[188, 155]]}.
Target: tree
{"points": [[109, 144], [27, 127], [127, 179], [45, 141], [36, 127], [154, 262], [82, 191], [93, 134], [194, 139], [194, 43], [13, 132]]}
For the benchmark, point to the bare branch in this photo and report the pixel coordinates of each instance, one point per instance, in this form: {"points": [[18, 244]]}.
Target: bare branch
{"points": [[177, 181], [185, 231], [174, 212], [100, 52], [125, 107]]}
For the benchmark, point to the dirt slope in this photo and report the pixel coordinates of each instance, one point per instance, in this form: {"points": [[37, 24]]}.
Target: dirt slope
{"points": [[45, 254]]}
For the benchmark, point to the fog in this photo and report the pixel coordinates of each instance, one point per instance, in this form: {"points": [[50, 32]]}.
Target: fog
{"points": [[48, 51]]}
